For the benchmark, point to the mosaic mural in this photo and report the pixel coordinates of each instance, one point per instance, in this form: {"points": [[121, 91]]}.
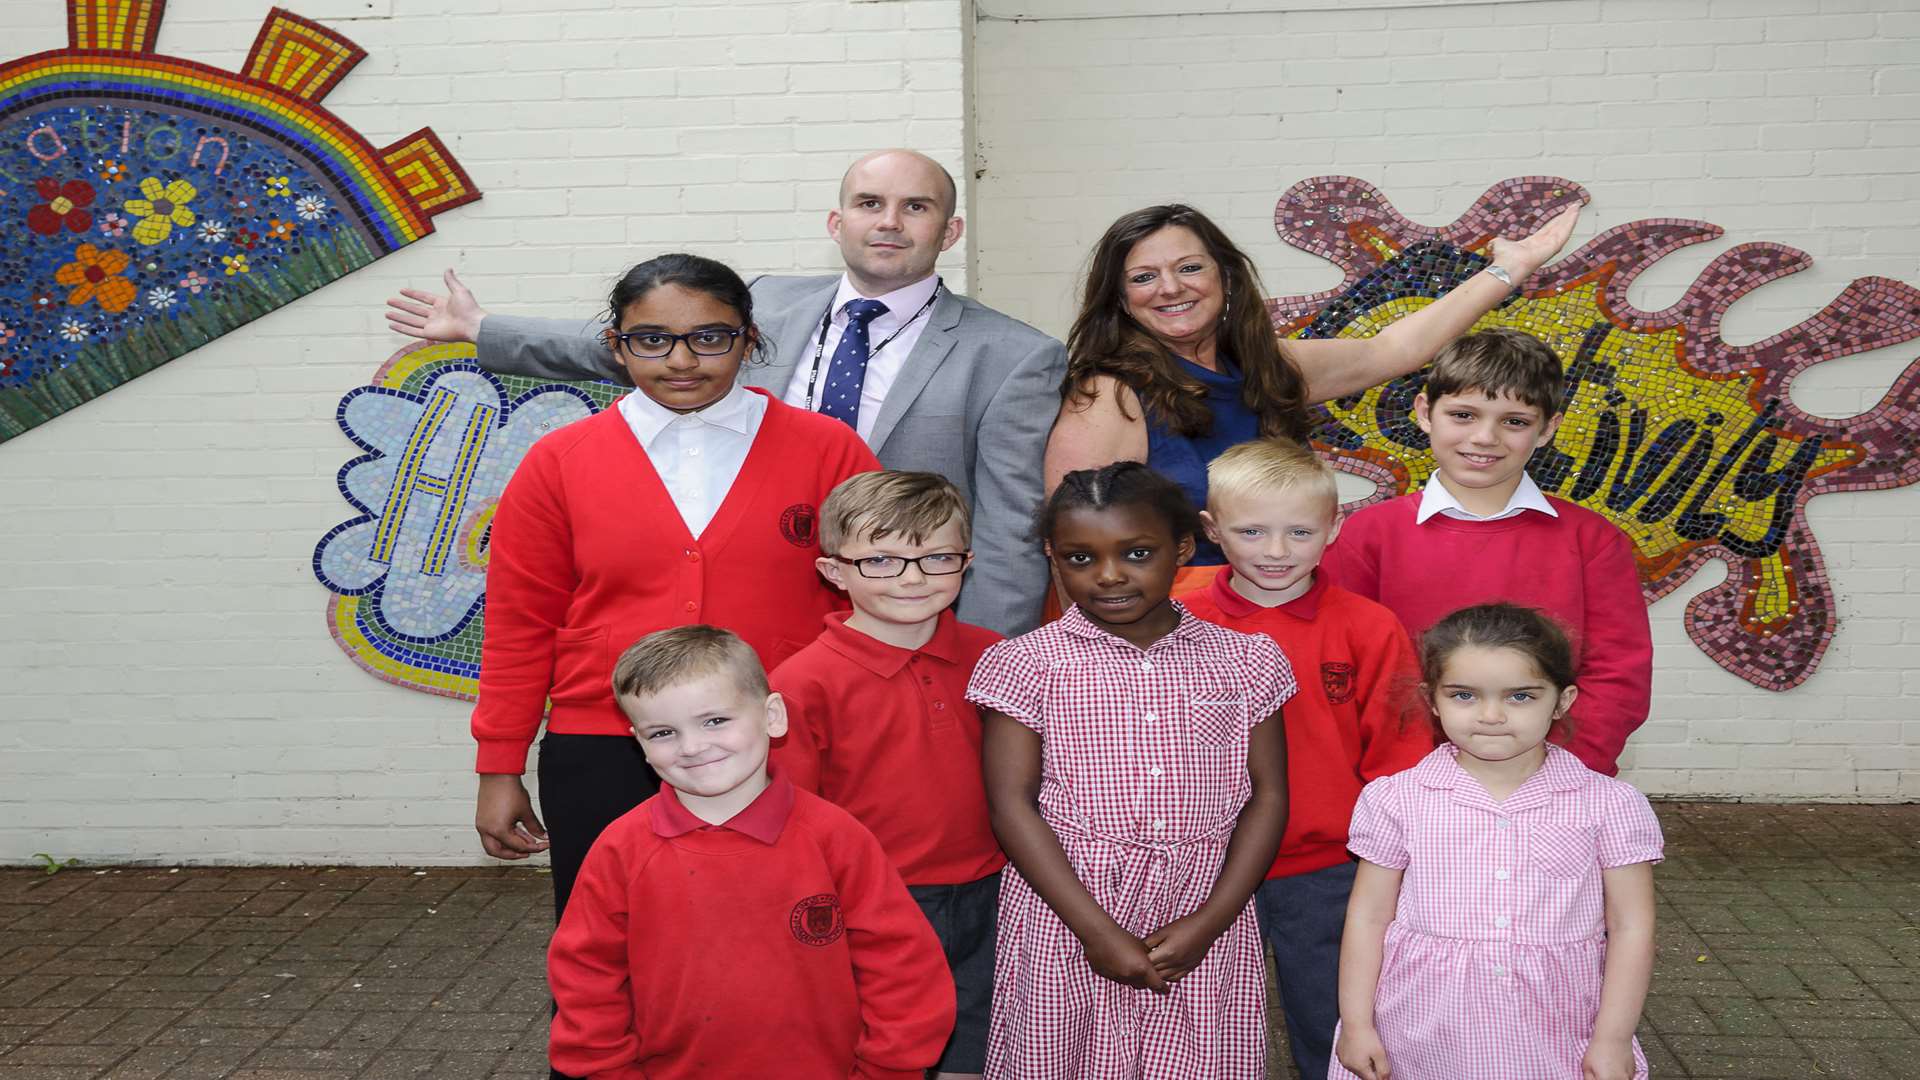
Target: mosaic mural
{"points": [[1689, 444], [408, 573], [150, 204]]}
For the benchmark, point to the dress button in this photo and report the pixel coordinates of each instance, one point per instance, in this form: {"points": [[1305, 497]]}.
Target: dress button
{"points": [[1146, 665], [1155, 771], [1502, 823], [693, 556], [1501, 875], [691, 606], [1149, 718], [1499, 971], [693, 451], [1159, 826], [1501, 921]]}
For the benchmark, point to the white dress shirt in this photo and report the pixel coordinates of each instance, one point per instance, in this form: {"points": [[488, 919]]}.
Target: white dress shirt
{"points": [[698, 454], [1436, 499], [882, 367]]}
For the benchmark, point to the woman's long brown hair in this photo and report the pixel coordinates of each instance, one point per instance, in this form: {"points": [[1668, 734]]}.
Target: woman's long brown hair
{"points": [[1105, 340]]}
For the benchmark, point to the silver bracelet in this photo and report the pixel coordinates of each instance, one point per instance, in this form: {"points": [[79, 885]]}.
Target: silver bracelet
{"points": [[1500, 272]]}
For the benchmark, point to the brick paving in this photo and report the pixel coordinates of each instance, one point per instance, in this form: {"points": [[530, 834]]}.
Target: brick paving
{"points": [[1789, 948]]}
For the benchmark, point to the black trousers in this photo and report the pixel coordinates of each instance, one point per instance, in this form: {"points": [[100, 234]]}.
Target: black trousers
{"points": [[586, 783]]}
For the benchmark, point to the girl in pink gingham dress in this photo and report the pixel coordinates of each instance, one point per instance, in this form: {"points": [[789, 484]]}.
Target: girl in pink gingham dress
{"points": [[1136, 770], [1501, 925]]}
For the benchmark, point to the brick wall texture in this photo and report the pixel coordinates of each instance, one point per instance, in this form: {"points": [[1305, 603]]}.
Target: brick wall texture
{"points": [[170, 692]]}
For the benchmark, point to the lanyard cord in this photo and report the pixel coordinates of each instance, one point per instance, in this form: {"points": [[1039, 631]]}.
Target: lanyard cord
{"points": [[820, 345]]}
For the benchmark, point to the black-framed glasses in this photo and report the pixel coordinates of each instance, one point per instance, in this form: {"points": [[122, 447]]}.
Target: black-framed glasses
{"points": [[656, 344], [938, 564]]}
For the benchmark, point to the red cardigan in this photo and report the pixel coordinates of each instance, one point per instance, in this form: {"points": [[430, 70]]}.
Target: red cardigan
{"points": [[1578, 567], [1355, 717], [779, 944], [589, 555]]}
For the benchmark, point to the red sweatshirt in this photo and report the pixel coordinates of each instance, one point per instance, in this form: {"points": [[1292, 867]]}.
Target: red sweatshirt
{"points": [[589, 555], [1577, 567], [779, 944], [1354, 719]]}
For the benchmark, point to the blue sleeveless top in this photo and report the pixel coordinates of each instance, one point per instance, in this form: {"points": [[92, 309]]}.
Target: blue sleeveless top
{"points": [[1183, 459]]}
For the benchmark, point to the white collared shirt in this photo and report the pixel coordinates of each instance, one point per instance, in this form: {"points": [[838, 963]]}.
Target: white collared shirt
{"points": [[882, 367], [698, 454], [1436, 499]]}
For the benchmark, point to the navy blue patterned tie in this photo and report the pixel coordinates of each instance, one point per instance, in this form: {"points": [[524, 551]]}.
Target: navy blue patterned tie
{"points": [[841, 397]]}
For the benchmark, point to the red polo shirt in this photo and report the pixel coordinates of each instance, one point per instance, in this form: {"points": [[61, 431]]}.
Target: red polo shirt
{"points": [[1353, 719], [691, 951], [888, 734]]}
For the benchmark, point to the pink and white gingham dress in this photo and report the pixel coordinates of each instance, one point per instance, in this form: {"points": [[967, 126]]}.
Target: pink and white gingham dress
{"points": [[1144, 773], [1495, 955]]}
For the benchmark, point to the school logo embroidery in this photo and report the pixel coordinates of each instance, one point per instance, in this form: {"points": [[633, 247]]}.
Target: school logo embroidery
{"points": [[797, 524], [1337, 679], [816, 920]]}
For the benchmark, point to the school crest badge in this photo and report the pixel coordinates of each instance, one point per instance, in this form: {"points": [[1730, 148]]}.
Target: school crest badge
{"points": [[1336, 679], [817, 921]]}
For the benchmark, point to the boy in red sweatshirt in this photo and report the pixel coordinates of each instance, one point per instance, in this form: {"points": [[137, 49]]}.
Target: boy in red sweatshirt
{"points": [[879, 722], [1272, 507], [1482, 531], [731, 925]]}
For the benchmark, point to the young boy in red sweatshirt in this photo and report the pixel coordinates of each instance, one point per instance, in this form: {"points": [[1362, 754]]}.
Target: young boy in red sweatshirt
{"points": [[879, 722], [1482, 531], [731, 925], [1272, 507]]}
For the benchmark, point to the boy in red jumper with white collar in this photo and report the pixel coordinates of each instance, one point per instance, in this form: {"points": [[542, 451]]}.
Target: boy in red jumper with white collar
{"points": [[879, 721], [1272, 507], [1482, 532], [731, 925]]}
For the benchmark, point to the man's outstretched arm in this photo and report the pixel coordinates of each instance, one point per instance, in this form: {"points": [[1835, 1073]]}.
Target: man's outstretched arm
{"points": [[566, 349]]}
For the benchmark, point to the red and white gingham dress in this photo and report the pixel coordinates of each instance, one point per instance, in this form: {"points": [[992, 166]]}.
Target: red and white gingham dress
{"points": [[1496, 951], [1144, 773]]}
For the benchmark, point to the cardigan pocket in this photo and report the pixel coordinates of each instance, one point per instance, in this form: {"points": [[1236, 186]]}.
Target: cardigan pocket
{"points": [[581, 668]]}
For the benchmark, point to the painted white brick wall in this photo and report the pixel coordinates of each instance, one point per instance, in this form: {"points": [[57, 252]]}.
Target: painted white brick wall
{"points": [[1796, 121], [168, 690]]}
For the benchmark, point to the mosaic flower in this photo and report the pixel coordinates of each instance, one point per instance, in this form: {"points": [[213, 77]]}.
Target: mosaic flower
{"points": [[61, 204], [240, 205], [311, 208], [163, 207], [195, 281], [245, 239], [95, 274], [113, 172], [7, 333], [42, 301], [73, 330], [212, 231], [281, 230], [160, 298], [8, 365], [279, 187], [113, 225], [235, 264]]}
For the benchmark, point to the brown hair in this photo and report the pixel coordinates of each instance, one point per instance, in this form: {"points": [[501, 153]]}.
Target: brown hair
{"points": [[1501, 361], [1105, 340], [1250, 470], [890, 502], [1527, 631], [670, 657]]}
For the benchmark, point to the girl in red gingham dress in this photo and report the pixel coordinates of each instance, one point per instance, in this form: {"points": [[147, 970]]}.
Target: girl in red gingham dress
{"points": [[1501, 925], [1137, 774]]}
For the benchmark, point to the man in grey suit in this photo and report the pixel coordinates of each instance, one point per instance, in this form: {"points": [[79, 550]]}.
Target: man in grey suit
{"points": [[932, 380]]}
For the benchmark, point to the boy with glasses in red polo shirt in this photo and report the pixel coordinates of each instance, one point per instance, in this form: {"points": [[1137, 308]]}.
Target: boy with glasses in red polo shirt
{"points": [[879, 722]]}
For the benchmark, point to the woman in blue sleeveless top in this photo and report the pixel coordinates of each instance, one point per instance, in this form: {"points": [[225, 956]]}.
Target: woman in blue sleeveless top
{"points": [[1173, 357]]}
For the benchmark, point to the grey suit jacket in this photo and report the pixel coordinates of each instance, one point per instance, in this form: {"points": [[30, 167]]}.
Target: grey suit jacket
{"points": [[973, 402]]}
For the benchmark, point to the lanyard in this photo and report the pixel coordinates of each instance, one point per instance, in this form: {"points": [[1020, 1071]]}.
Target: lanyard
{"points": [[820, 345]]}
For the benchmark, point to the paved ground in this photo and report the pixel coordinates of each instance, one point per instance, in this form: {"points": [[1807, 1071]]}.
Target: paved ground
{"points": [[1789, 948]]}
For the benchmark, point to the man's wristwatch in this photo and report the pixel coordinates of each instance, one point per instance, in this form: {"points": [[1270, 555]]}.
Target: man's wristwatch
{"points": [[1500, 272]]}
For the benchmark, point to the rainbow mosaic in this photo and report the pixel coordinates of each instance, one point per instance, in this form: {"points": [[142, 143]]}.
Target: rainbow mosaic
{"points": [[1689, 444], [409, 571], [150, 204]]}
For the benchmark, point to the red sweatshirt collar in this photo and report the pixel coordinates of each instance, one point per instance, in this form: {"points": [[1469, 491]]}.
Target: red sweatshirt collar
{"points": [[763, 818], [1305, 606], [883, 659]]}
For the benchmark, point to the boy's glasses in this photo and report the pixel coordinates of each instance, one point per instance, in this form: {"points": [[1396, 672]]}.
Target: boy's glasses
{"points": [[656, 344], [938, 564]]}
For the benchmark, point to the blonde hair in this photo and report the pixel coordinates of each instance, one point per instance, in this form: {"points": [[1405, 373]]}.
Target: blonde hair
{"points": [[891, 502], [1260, 467], [670, 657], [1501, 361]]}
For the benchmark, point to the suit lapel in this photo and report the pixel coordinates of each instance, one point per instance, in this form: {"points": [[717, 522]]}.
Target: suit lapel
{"points": [[935, 345], [793, 333]]}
